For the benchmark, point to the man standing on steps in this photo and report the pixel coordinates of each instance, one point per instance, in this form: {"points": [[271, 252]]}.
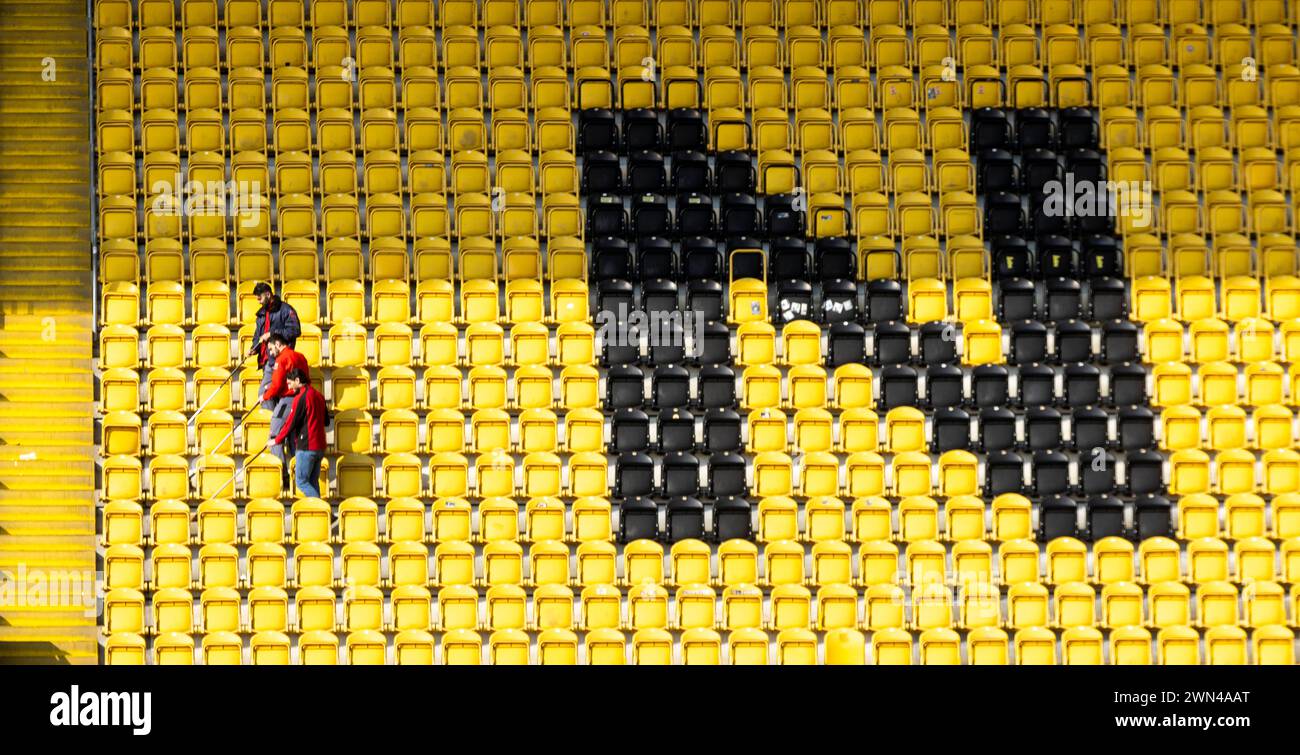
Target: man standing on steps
{"points": [[273, 316], [276, 396], [304, 428]]}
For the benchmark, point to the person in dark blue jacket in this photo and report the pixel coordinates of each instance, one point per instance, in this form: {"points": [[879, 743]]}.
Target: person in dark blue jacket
{"points": [[273, 317]]}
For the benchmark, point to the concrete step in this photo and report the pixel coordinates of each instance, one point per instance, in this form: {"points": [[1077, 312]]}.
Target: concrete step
{"points": [[54, 174], [65, 123], [48, 367], [37, 528], [58, 38], [47, 278], [72, 616], [32, 84], [55, 545], [39, 107], [69, 410], [72, 185], [56, 635], [51, 452], [50, 482], [28, 440], [44, 396], [58, 134], [18, 296], [67, 382], [65, 306], [73, 560], [64, 216], [32, 323], [20, 468], [69, 263], [52, 498], [11, 207], [51, 250]]}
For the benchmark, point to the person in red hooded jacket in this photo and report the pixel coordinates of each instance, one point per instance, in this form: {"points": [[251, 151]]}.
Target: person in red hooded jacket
{"points": [[275, 394], [304, 429]]}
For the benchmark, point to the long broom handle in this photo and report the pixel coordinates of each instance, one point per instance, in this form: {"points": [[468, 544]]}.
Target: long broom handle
{"points": [[225, 382], [235, 474], [231, 434]]}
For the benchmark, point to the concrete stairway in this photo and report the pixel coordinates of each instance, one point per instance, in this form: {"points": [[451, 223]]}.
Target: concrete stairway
{"points": [[47, 467]]}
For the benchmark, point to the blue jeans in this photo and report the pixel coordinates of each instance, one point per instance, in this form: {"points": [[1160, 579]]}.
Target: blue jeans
{"points": [[266, 383], [279, 413], [307, 472]]}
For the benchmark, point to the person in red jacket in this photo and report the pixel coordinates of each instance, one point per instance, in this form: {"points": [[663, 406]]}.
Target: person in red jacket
{"points": [[304, 429], [276, 397]]}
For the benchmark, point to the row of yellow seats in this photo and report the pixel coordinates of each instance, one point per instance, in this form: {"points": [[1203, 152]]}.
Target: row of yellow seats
{"points": [[818, 170], [377, 89], [1244, 515], [911, 216], [435, 267], [1264, 427], [696, 606], [502, 562], [843, 46], [281, 14], [535, 429], [1248, 340], [1220, 213], [911, 519], [502, 45], [1273, 255], [390, 303], [471, 215], [1164, 131], [540, 474], [444, 387], [838, 47], [422, 135], [484, 345], [856, 137], [1173, 169], [1214, 167], [1178, 645], [799, 45], [1216, 384], [805, 387], [1153, 87], [440, 344], [1234, 471], [1194, 297], [812, 428], [215, 475], [445, 430], [960, 257], [725, 91], [343, 88], [146, 14], [381, 169], [358, 520]]}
